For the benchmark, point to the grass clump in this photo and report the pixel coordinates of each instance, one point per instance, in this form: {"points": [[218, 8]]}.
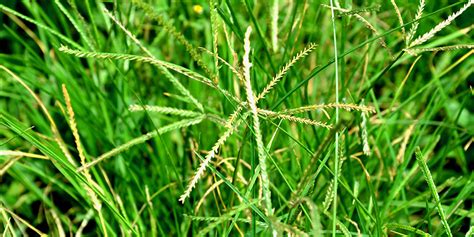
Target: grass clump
{"points": [[224, 118]]}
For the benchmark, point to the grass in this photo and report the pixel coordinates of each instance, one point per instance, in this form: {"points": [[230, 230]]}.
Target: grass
{"points": [[233, 118]]}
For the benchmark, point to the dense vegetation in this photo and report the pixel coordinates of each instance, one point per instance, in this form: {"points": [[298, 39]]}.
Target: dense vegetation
{"points": [[226, 117]]}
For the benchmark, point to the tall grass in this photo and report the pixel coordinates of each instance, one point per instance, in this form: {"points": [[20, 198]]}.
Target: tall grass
{"points": [[236, 118]]}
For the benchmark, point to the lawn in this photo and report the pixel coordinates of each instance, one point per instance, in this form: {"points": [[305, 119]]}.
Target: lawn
{"points": [[236, 118]]}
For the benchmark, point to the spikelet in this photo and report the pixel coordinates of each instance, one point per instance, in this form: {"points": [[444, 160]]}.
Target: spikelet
{"points": [[294, 119], [151, 60], [256, 125], [285, 69], [364, 133], [427, 36], [416, 51], [200, 171], [73, 125], [92, 195], [274, 25], [352, 12], [215, 38], [163, 110], [403, 145], [348, 107], [414, 27]]}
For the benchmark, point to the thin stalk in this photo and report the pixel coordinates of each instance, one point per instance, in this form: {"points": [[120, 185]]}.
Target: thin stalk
{"points": [[336, 149]]}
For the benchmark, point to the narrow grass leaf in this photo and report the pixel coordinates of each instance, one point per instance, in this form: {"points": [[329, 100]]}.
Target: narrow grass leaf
{"points": [[429, 179]]}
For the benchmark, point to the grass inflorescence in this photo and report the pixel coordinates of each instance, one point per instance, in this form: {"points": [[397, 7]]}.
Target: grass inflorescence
{"points": [[236, 118]]}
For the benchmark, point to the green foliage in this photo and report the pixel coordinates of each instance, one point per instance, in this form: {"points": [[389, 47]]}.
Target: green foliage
{"points": [[177, 123]]}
